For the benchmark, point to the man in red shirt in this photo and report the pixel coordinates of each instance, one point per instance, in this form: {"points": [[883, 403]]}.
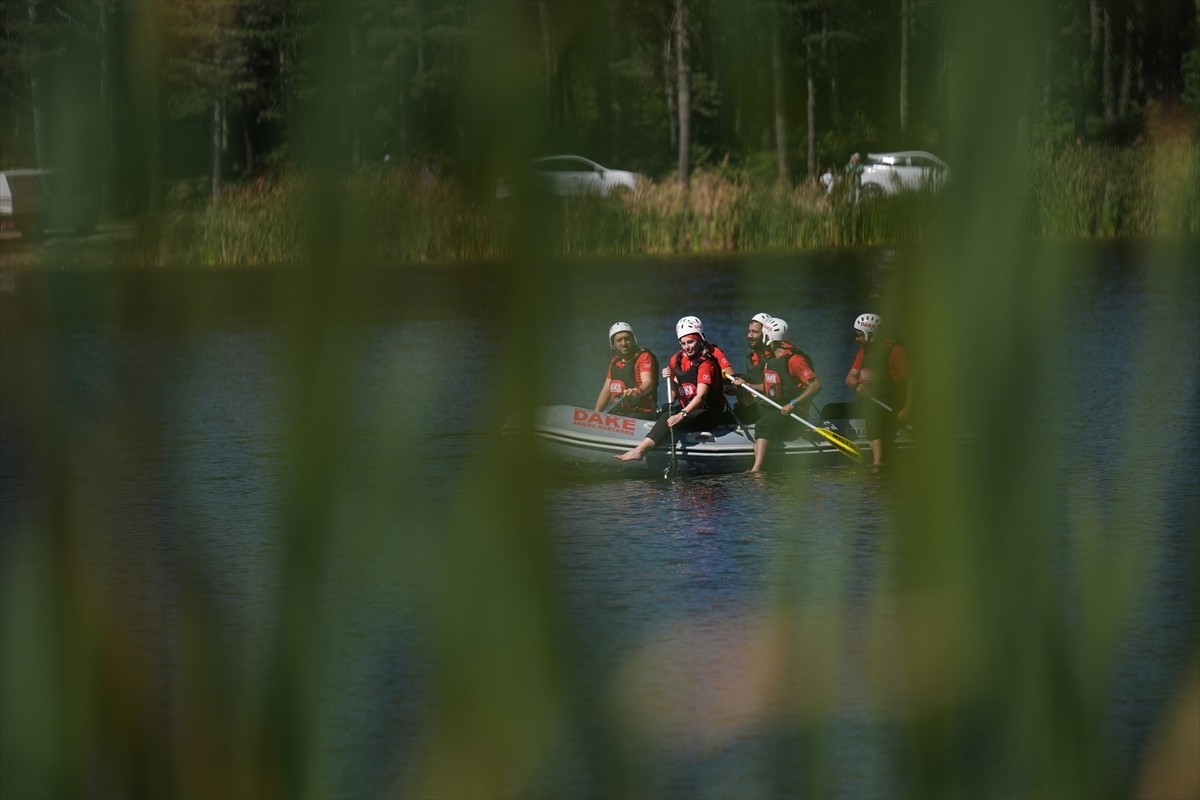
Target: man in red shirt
{"points": [[700, 389], [788, 379], [879, 376], [632, 378]]}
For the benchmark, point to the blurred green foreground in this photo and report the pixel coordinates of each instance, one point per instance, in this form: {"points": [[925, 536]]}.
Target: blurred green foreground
{"points": [[979, 641]]}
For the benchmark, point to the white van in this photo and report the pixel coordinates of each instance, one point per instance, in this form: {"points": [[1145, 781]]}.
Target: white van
{"points": [[35, 200]]}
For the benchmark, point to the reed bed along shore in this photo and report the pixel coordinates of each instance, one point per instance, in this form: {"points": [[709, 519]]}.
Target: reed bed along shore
{"points": [[1071, 193]]}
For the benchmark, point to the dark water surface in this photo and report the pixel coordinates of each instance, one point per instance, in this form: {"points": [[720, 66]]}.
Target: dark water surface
{"points": [[149, 425]]}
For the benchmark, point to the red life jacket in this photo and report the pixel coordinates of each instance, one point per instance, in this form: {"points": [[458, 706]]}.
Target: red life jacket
{"points": [[688, 374], [622, 375], [778, 381]]}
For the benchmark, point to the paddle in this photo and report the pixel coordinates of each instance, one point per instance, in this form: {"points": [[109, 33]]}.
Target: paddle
{"points": [[840, 442], [887, 408], [620, 401], [670, 470]]}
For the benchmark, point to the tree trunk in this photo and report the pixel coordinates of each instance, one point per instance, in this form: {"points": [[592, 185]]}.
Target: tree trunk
{"points": [[356, 155], [669, 85], [1047, 84], [905, 26], [1107, 94], [829, 60], [248, 142], [218, 125], [684, 87], [104, 173], [781, 137], [1079, 79], [1128, 67], [549, 64], [1095, 68], [810, 116], [605, 106], [35, 96]]}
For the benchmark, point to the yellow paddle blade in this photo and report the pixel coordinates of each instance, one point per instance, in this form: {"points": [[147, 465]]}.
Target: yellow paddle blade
{"points": [[840, 442]]}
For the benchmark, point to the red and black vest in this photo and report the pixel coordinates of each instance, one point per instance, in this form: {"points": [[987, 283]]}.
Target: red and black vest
{"points": [[622, 375], [689, 379], [779, 383]]}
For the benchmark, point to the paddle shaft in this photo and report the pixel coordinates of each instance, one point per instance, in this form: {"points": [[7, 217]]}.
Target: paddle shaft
{"points": [[613, 405], [846, 447], [670, 429], [890, 410]]}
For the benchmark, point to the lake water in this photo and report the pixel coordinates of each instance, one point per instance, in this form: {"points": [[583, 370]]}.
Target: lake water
{"points": [[278, 543]]}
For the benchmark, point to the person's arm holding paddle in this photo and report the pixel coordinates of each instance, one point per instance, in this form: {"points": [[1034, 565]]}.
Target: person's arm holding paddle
{"points": [[805, 377], [694, 405], [647, 384]]}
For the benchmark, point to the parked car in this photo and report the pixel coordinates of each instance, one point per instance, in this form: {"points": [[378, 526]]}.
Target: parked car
{"points": [[35, 200], [904, 171], [569, 176]]}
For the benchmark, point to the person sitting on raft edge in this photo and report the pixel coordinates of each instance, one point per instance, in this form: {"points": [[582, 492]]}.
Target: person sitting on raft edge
{"points": [[700, 387]]}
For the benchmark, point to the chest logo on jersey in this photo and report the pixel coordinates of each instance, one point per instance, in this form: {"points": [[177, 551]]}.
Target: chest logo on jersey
{"points": [[607, 422]]}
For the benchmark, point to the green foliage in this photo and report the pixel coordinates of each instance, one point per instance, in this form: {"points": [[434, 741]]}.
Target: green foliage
{"points": [[1191, 80]]}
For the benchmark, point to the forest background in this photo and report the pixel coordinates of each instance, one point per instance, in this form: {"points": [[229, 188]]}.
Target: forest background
{"points": [[209, 120]]}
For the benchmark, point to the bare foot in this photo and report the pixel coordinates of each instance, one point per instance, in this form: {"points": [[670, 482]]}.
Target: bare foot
{"points": [[632, 455]]}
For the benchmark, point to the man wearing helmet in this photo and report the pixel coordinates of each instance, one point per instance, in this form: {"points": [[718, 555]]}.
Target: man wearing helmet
{"points": [[632, 380], [748, 408], [698, 377], [788, 379], [879, 376]]}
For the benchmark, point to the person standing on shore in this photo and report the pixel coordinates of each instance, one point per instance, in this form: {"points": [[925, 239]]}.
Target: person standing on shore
{"points": [[827, 179], [854, 171]]}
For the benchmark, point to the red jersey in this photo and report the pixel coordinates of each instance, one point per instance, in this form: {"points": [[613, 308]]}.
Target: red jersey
{"points": [[798, 369]]}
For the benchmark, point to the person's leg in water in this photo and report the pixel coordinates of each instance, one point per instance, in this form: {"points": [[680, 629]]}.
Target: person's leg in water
{"points": [[769, 428], [760, 453], [656, 435]]}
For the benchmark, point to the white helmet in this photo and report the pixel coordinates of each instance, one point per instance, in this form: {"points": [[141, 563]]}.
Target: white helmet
{"points": [[762, 318], [868, 324], [688, 325], [617, 328], [775, 331]]}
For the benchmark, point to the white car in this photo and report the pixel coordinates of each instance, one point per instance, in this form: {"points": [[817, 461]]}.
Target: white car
{"points": [[904, 171], [34, 200], [570, 176]]}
